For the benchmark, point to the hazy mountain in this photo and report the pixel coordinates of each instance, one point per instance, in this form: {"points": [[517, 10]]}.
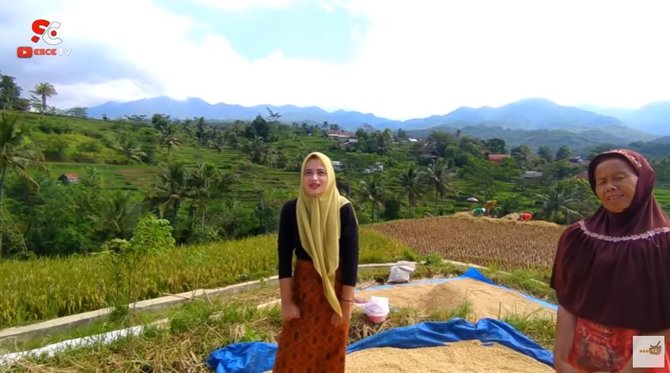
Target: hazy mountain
{"points": [[554, 138], [533, 113], [195, 107], [527, 114], [653, 118]]}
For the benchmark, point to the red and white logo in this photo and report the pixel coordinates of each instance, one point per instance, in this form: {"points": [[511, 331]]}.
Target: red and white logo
{"points": [[24, 52], [46, 31]]}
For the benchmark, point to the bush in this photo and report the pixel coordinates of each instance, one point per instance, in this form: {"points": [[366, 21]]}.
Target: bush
{"points": [[91, 146], [152, 234]]}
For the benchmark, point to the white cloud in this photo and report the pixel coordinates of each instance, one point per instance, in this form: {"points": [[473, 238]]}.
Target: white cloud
{"points": [[415, 59], [245, 4], [113, 90]]}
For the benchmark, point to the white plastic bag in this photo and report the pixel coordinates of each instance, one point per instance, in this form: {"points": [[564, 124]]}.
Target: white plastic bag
{"points": [[400, 272], [377, 309]]}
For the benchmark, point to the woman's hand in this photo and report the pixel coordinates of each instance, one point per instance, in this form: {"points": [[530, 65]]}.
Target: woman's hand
{"points": [[289, 311], [346, 306]]}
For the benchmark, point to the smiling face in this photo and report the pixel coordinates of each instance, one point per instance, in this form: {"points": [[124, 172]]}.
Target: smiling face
{"points": [[314, 177], [615, 182]]}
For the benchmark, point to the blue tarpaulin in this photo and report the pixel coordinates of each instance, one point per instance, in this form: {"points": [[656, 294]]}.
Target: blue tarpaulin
{"points": [[257, 357]]}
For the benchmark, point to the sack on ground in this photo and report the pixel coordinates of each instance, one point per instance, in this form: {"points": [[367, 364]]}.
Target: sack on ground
{"points": [[400, 272]]}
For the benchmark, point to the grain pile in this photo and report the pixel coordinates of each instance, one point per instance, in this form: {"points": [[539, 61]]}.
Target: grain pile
{"points": [[485, 300], [459, 357]]}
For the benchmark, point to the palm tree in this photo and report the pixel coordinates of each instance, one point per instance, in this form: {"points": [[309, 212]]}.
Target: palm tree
{"points": [[129, 147], [372, 190], [44, 90], [257, 150], [14, 156], [169, 139], [172, 187], [438, 174], [204, 181], [117, 210], [410, 181], [555, 201]]}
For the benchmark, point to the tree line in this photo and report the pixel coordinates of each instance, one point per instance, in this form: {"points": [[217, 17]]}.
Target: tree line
{"points": [[386, 173]]}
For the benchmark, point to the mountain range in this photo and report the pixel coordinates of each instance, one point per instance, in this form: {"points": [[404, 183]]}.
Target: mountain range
{"points": [[518, 121]]}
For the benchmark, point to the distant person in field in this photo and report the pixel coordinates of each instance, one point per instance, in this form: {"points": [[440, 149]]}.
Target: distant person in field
{"points": [[525, 216], [321, 229], [612, 271], [479, 211]]}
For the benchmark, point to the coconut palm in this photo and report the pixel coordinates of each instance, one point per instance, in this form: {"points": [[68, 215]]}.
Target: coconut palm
{"points": [[169, 139], [44, 90], [438, 174], [257, 150], [557, 200], [172, 187], [372, 190], [203, 183], [118, 211], [410, 181], [129, 147]]}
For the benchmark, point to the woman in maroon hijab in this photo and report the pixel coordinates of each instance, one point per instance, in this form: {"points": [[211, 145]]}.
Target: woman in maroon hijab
{"points": [[612, 271]]}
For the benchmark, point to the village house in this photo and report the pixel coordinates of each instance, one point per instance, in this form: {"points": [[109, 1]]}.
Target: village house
{"points": [[342, 136], [531, 174], [497, 159], [337, 165], [69, 178]]}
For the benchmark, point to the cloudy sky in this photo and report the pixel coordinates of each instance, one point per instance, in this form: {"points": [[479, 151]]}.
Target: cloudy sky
{"points": [[397, 59]]}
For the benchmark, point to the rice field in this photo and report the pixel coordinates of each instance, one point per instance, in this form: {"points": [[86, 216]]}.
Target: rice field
{"points": [[484, 241], [44, 288]]}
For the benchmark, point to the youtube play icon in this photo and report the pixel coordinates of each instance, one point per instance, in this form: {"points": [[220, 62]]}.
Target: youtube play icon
{"points": [[24, 52]]}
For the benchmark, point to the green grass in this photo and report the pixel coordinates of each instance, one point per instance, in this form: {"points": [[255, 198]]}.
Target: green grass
{"points": [[43, 289], [663, 197], [541, 329]]}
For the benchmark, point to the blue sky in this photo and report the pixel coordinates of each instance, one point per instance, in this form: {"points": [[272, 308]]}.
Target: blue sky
{"points": [[397, 59]]}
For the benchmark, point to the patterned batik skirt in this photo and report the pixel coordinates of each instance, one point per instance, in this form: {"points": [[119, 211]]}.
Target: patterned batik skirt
{"points": [[311, 343], [599, 348]]}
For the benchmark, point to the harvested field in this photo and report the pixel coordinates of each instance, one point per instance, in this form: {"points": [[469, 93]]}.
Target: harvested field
{"points": [[483, 241]]}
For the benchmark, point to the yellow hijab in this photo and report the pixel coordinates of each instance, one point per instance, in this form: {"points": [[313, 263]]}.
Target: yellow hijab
{"points": [[319, 227]]}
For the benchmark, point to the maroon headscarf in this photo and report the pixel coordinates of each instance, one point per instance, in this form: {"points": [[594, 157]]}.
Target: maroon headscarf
{"points": [[614, 268]]}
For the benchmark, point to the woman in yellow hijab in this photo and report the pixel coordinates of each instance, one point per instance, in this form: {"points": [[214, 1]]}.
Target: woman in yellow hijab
{"points": [[320, 227]]}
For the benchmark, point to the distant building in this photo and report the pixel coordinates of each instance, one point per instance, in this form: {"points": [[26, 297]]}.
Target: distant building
{"points": [[69, 178], [497, 158], [377, 167], [348, 143], [338, 166], [531, 174], [578, 159], [340, 135]]}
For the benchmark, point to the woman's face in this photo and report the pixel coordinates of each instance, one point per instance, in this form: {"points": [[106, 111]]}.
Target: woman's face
{"points": [[315, 177], [615, 184]]}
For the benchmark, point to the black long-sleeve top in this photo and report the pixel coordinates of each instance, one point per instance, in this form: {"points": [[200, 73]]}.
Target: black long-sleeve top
{"points": [[289, 241]]}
